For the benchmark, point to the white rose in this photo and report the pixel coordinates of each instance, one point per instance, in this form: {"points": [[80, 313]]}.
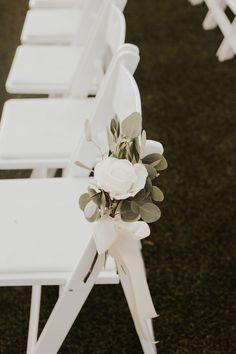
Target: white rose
{"points": [[120, 178]]}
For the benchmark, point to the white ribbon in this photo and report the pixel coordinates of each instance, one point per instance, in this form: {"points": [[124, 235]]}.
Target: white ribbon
{"points": [[120, 240]]}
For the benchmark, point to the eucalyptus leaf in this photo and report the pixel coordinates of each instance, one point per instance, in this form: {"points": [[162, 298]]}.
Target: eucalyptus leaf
{"points": [[92, 191], [97, 198], [140, 196], [162, 164], [148, 187], [156, 160], [152, 173], [132, 126], [113, 126], [103, 201], [143, 141], [152, 158], [88, 130], [157, 194], [150, 212], [83, 200], [126, 212], [110, 139], [95, 216], [134, 207], [91, 211], [137, 144]]}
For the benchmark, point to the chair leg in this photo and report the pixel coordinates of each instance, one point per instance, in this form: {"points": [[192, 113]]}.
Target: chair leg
{"points": [[227, 49], [225, 52], [34, 318], [65, 312], [61, 288], [209, 22], [148, 347]]}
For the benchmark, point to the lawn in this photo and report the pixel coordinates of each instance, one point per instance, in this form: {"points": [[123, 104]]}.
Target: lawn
{"points": [[189, 104]]}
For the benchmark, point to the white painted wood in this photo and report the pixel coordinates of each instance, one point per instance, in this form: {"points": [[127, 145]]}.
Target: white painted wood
{"points": [[209, 22], [34, 318], [60, 25], [53, 70], [217, 17], [69, 303]]}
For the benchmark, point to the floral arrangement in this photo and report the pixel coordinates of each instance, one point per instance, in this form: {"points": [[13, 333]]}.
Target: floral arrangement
{"points": [[122, 202], [125, 178]]}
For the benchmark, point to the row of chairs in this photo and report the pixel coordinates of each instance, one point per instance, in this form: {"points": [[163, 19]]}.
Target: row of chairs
{"points": [[217, 16], [86, 74]]}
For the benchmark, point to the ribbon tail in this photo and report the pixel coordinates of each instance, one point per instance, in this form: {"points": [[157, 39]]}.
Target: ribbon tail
{"points": [[132, 272]]}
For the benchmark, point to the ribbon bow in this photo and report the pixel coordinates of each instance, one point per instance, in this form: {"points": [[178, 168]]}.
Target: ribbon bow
{"points": [[119, 239]]}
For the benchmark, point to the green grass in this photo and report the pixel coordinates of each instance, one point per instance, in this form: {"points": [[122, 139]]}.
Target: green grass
{"points": [[189, 104]]}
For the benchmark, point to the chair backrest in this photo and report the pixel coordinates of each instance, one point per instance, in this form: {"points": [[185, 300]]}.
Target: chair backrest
{"points": [[90, 11], [109, 20], [118, 95]]}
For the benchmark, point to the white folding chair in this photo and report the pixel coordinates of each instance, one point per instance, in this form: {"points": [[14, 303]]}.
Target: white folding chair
{"points": [[58, 25], [227, 49], [209, 22], [45, 239], [41, 133], [52, 69]]}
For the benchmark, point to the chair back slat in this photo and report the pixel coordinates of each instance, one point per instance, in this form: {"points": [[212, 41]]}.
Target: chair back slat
{"points": [[98, 44], [118, 95], [90, 11]]}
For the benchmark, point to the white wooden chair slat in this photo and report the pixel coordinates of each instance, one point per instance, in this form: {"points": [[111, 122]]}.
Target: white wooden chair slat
{"points": [[217, 16]]}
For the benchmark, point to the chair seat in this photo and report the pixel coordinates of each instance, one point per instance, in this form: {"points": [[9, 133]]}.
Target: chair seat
{"points": [[54, 3], [42, 128], [45, 26], [42, 226], [43, 69]]}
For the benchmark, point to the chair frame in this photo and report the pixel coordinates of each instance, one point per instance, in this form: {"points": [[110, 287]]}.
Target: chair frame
{"points": [[75, 289]]}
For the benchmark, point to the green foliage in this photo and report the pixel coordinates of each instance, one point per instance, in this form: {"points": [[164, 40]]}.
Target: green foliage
{"points": [[158, 161], [126, 141], [150, 212], [83, 200], [132, 126], [157, 194], [127, 213], [91, 211], [152, 172]]}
